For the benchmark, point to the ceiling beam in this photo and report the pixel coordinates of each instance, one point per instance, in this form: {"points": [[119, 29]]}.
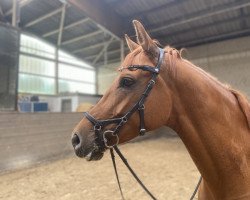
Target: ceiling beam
{"points": [[102, 51], [15, 13], [1, 12], [92, 46], [59, 39], [66, 27], [214, 38], [109, 53], [81, 37], [122, 50], [181, 34], [199, 15], [46, 16], [243, 15], [115, 60], [22, 3], [89, 47], [101, 13], [156, 9]]}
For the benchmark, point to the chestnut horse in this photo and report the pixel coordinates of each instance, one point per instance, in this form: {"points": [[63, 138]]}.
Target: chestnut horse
{"points": [[212, 120]]}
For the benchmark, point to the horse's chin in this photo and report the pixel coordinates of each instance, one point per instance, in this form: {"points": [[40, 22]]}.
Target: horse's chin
{"points": [[90, 153], [94, 156]]}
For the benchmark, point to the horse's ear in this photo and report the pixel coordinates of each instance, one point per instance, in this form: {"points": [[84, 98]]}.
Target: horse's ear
{"points": [[131, 44], [144, 39]]}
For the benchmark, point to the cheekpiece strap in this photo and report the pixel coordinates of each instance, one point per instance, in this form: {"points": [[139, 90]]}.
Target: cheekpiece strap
{"points": [[91, 118], [142, 123]]}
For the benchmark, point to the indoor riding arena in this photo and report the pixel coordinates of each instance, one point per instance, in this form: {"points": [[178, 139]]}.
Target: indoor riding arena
{"points": [[59, 58]]}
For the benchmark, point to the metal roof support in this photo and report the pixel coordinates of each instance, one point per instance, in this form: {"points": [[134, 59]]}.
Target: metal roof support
{"points": [[81, 37], [122, 50], [66, 27], [101, 13], [96, 80], [108, 52], [116, 60], [44, 17], [103, 50], [167, 5], [21, 4], [57, 71], [243, 17], [105, 55], [107, 31], [202, 14], [200, 28], [59, 39], [1, 11], [214, 38], [93, 46], [14, 13]]}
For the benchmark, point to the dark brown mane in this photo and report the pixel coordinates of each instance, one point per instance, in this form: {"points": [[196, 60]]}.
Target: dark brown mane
{"points": [[243, 103]]}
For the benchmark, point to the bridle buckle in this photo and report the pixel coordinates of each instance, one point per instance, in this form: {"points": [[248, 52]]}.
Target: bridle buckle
{"points": [[106, 140], [97, 127], [152, 81], [142, 107]]}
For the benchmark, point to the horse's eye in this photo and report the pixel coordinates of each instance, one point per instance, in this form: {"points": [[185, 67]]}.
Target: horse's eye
{"points": [[126, 82]]}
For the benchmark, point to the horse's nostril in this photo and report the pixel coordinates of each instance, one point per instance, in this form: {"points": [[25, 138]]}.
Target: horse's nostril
{"points": [[75, 140]]}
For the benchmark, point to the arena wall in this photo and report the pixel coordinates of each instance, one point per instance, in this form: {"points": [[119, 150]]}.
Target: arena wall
{"points": [[229, 61], [27, 139]]}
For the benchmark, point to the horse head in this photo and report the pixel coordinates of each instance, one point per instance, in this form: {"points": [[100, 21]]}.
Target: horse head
{"points": [[127, 109]]}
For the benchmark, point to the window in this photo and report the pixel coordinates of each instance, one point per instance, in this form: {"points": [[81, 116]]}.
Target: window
{"points": [[65, 57], [37, 69], [36, 84], [29, 64], [76, 73], [72, 86], [35, 46]]}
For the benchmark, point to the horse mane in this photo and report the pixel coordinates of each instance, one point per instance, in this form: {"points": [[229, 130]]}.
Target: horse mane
{"points": [[243, 103], [242, 99]]}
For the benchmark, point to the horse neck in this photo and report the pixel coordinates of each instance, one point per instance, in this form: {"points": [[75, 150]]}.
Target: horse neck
{"points": [[207, 117]]}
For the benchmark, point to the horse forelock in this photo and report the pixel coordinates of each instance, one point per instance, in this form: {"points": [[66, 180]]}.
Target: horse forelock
{"points": [[129, 58]]}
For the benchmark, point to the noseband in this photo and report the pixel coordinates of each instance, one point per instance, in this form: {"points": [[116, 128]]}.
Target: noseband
{"points": [[99, 125]]}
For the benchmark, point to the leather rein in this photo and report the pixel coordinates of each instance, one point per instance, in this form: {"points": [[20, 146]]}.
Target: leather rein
{"points": [[98, 125]]}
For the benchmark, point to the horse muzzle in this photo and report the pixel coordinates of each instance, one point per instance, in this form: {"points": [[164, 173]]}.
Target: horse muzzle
{"points": [[92, 152]]}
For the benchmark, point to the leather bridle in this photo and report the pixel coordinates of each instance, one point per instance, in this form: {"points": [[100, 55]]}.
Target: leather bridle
{"points": [[99, 125]]}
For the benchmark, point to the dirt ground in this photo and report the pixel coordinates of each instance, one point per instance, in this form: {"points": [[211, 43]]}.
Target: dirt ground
{"points": [[163, 164]]}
